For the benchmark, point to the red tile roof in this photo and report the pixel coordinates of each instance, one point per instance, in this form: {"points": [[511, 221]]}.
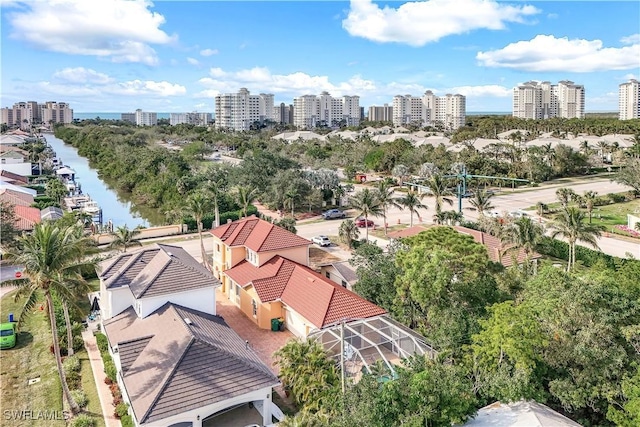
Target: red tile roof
{"points": [[14, 177], [407, 232], [16, 198], [496, 248], [258, 235], [26, 217], [313, 296]]}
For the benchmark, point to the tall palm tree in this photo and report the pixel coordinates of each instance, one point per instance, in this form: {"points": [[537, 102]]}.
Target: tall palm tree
{"points": [[481, 200], [570, 224], [245, 196], [290, 198], [199, 205], [348, 232], [367, 204], [216, 187], [123, 237], [439, 190], [412, 201], [523, 233], [53, 259], [565, 196], [589, 198], [384, 193]]}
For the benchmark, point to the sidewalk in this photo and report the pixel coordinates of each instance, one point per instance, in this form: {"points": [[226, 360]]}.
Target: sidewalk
{"points": [[98, 375]]}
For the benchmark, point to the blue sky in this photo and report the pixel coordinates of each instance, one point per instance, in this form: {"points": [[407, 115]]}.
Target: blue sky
{"points": [[119, 55]]}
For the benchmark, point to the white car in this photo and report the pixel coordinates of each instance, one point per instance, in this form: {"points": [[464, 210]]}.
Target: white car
{"points": [[493, 214], [321, 241], [517, 214]]}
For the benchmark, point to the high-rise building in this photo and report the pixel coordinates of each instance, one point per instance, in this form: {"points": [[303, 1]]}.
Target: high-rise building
{"points": [[240, 111], [542, 100], [283, 114], [194, 118], [324, 110], [26, 114], [380, 114], [448, 111], [145, 118], [629, 100]]}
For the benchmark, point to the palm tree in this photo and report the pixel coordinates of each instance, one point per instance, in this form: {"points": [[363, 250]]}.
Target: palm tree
{"points": [[439, 190], [290, 199], [570, 224], [481, 200], [216, 187], [367, 204], [523, 233], [123, 237], [53, 259], [245, 196], [199, 205], [589, 198], [541, 208], [348, 232], [412, 201], [565, 195], [385, 197]]}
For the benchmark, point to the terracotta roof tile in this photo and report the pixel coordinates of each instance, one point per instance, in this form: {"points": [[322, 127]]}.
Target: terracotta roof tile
{"points": [[258, 235], [313, 296], [26, 217], [495, 247], [14, 177], [16, 197], [407, 232]]}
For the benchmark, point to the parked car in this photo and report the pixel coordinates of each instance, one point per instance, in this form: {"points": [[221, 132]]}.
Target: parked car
{"points": [[333, 214], [493, 214], [361, 222], [517, 214], [321, 240], [7, 335]]}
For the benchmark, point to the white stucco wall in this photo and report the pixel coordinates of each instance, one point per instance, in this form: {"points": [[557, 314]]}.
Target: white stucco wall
{"points": [[296, 324], [118, 300], [200, 299]]}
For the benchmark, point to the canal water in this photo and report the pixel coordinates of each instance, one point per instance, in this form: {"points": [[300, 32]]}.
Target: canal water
{"points": [[114, 207]]}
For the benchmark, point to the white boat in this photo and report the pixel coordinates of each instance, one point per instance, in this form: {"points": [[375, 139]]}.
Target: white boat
{"points": [[90, 207]]}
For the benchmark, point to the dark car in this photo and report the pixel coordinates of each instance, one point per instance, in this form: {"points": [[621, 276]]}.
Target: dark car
{"points": [[361, 222], [333, 214]]}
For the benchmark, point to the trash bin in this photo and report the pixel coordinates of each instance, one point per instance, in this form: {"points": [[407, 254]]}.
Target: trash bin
{"points": [[281, 324], [10, 317], [275, 324]]}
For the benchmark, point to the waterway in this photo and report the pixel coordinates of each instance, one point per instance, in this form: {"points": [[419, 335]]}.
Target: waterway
{"points": [[116, 208]]}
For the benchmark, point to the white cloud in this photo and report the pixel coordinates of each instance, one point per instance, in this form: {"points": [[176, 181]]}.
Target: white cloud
{"points": [[632, 39], [548, 53], [118, 30], [482, 91], [208, 52], [193, 61], [420, 22], [82, 75], [630, 76]]}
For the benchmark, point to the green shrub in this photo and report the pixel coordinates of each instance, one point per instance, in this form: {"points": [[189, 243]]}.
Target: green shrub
{"points": [[71, 364], [616, 198], [121, 410], [78, 343], [83, 420], [110, 370], [127, 421], [103, 343], [80, 397], [73, 379]]}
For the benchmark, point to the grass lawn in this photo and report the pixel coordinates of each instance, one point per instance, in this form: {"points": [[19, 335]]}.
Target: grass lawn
{"points": [[30, 358]]}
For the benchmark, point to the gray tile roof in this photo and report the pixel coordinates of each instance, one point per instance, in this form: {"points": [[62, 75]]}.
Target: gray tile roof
{"points": [[174, 365], [346, 271], [157, 270]]}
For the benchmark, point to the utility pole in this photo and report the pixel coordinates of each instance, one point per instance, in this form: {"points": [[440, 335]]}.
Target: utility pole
{"points": [[342, 376]]}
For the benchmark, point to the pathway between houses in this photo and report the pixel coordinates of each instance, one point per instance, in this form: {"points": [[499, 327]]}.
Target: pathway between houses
{"points": [[98, 368]]}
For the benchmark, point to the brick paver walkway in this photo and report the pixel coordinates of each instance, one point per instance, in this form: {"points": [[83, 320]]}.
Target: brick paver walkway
{"points": [[263, 341], [98, 375]]}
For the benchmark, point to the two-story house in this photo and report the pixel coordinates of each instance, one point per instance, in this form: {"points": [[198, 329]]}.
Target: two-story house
{"points": [[263, 270], [177, 361]]}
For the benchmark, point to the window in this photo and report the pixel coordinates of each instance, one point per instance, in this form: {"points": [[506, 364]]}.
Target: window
{"points": [[217, 248], [254, 305], [344, 284], [328, 275]]}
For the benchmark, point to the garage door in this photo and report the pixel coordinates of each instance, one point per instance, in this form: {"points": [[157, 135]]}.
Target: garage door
{"points": [[295, 324]]}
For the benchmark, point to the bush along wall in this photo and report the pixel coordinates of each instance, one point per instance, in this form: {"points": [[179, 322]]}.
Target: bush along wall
{"points": [[585, 256], [121, 409]]}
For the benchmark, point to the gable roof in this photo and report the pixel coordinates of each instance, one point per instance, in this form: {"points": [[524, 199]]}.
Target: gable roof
{"points": [[177, 359], [157, 270], [51, 213], [346, 271], [495, 247], [14, 178], [313, 296], [26, 217], [519, 414], [258, 235], [16, 198]]}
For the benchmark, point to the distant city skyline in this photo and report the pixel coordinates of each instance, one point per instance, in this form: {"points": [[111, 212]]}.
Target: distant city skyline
{"points": [[169, 56]]}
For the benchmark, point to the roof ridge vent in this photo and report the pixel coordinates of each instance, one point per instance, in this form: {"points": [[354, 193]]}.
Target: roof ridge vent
{"points": [[188, 321]]}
